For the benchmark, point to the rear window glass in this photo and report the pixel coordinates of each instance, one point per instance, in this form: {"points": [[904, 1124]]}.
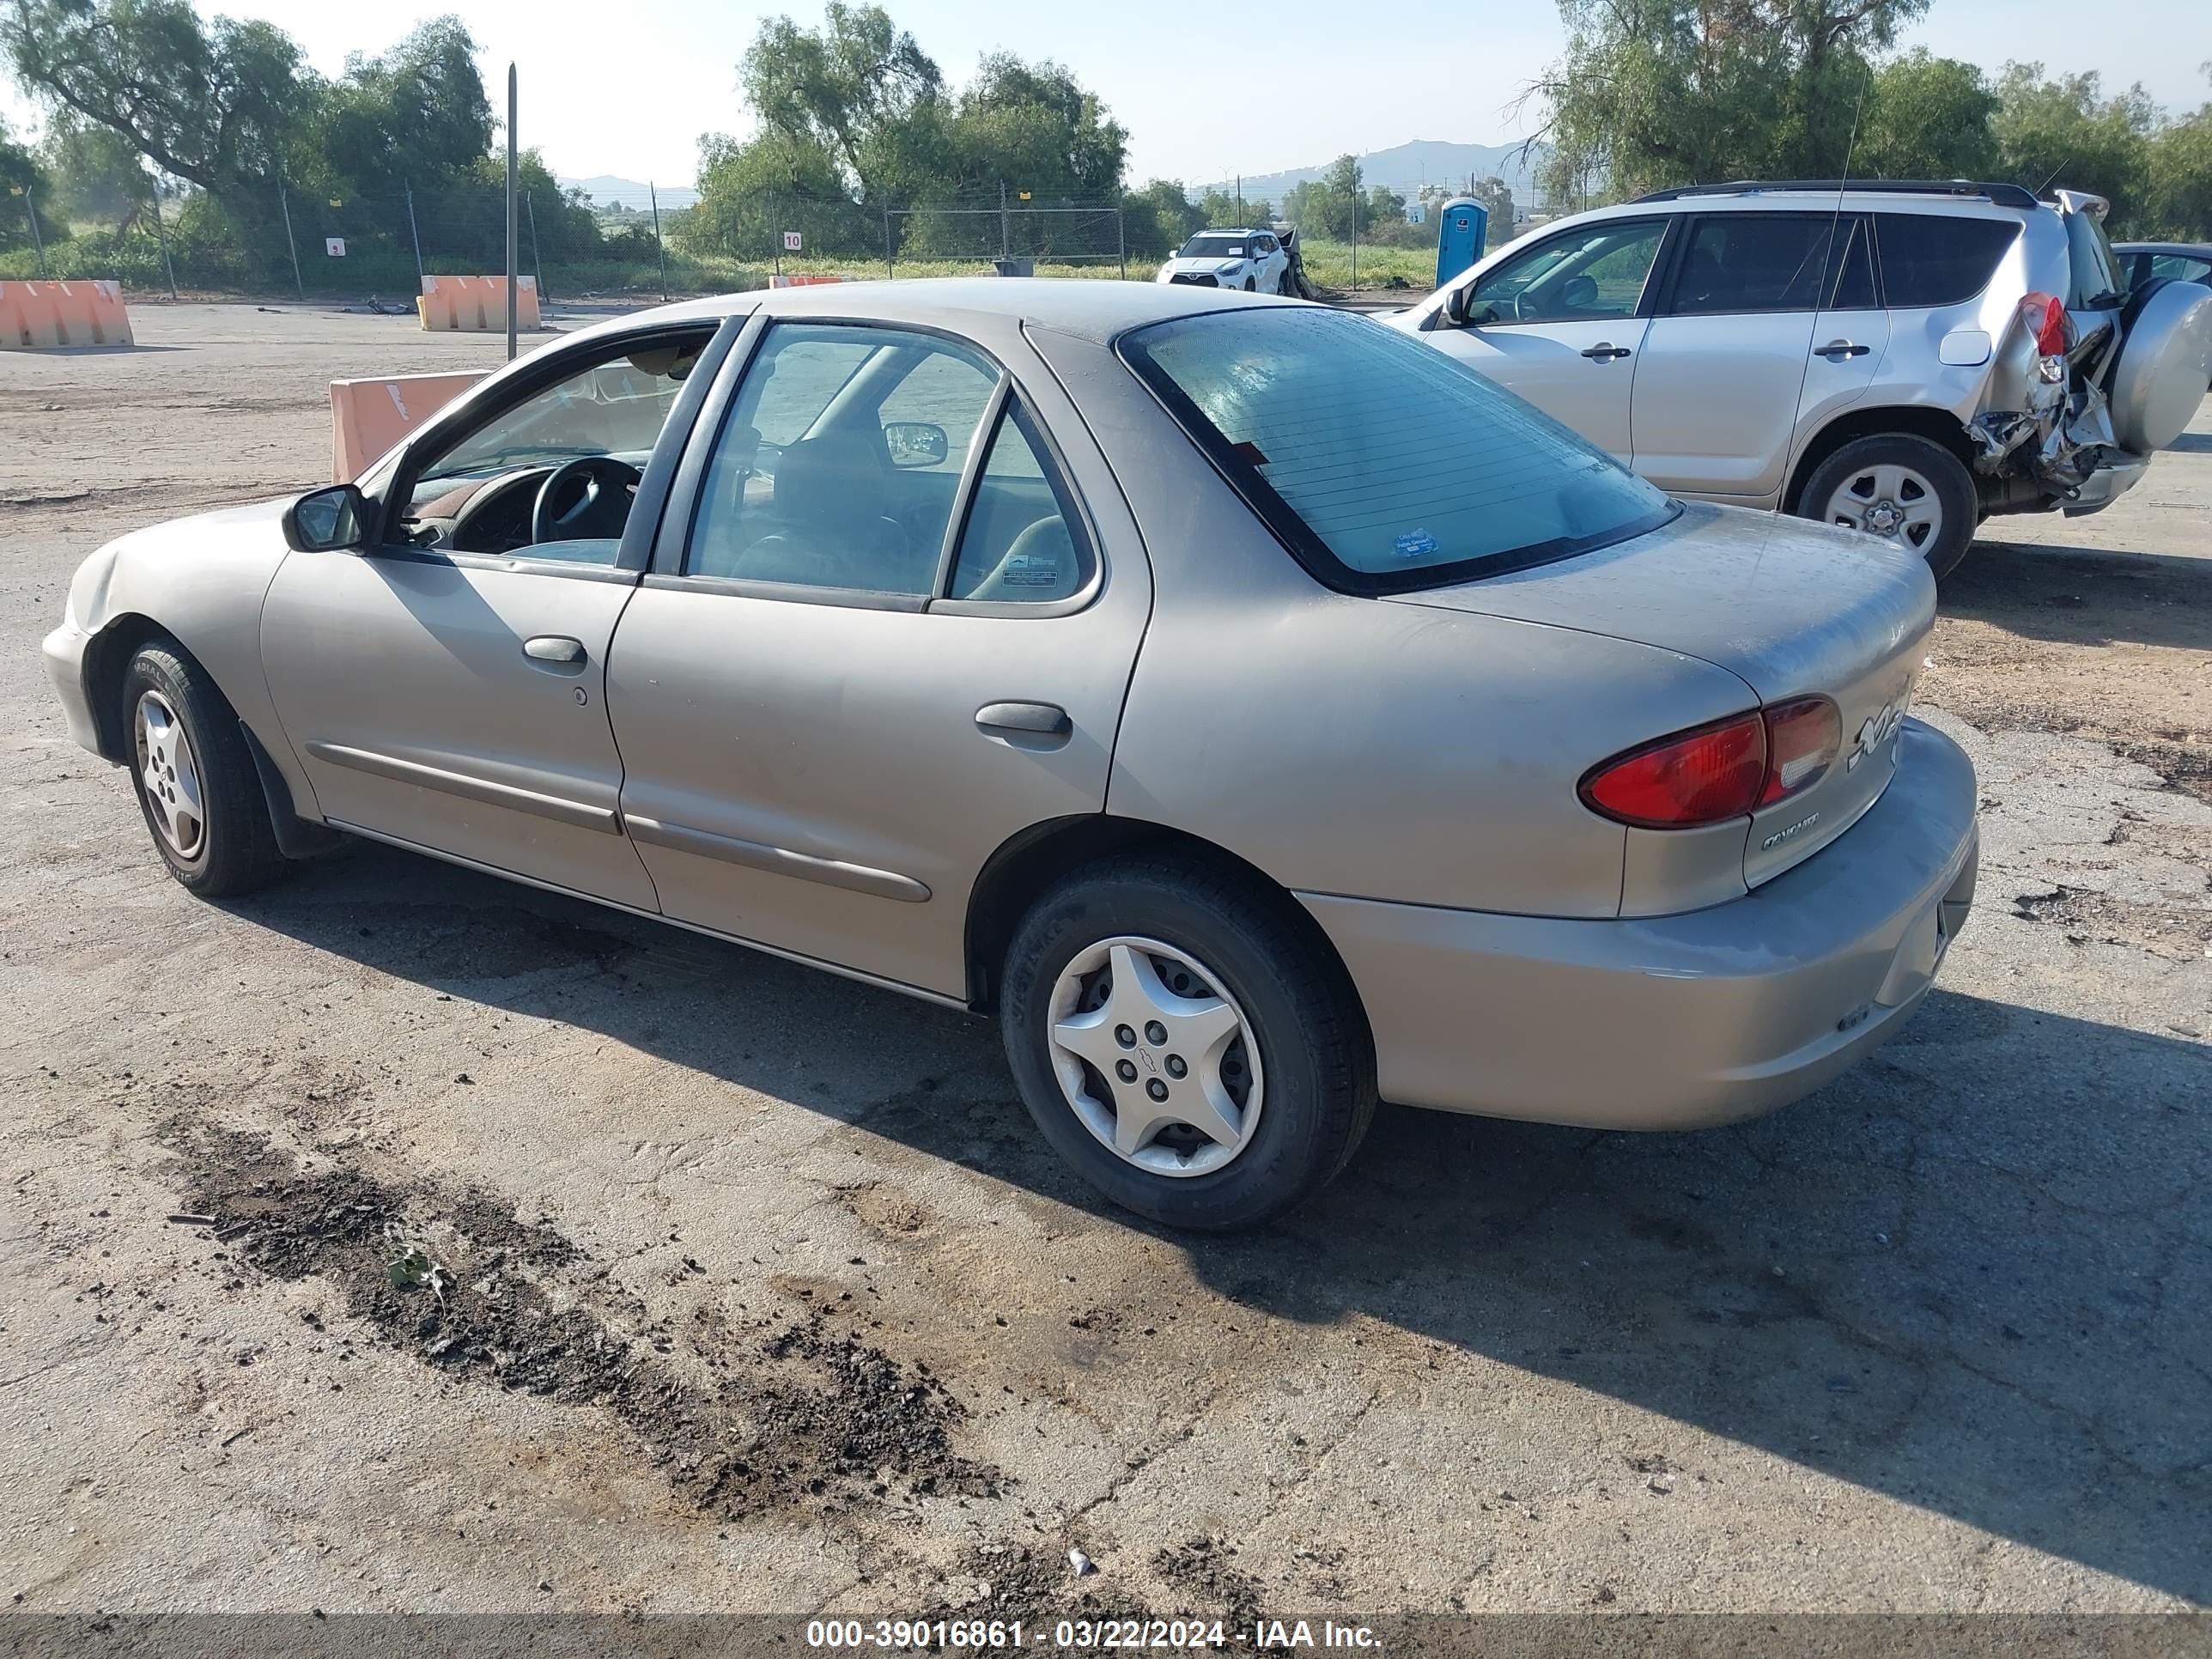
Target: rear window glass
{"points": [[1939, 259], [1383, 464], [2093, 281]]}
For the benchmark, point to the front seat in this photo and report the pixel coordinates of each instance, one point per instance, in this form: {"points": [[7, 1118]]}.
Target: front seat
{"points": [[830, 530]]}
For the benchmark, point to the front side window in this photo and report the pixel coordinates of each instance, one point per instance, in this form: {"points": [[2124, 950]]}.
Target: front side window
{"points": [[2179, 268], [1593, 275], [595, 429], [1939, 259], [1741, 261], [1383, 464]]}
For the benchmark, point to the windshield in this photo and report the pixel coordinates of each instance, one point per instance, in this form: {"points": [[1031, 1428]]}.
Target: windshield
{"points": [[1213, 248], [1382, 463]]}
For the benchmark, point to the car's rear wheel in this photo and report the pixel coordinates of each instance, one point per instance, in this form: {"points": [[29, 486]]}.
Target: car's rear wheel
{"points": [[195, 781], [1912, 493], [1186, 1042]]}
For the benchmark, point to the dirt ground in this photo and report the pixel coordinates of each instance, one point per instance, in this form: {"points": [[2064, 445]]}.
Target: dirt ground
{"points": [[400, 1239]]}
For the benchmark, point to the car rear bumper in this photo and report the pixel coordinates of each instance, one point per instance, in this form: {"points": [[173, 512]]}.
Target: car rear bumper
{"points": [[63, 652], [2106, 486], [1675, 1022]]}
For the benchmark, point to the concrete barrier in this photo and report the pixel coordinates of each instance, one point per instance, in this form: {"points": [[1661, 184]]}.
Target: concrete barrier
{"points": [[40, 316], [368, 417], [802, 282], [476, 304]]}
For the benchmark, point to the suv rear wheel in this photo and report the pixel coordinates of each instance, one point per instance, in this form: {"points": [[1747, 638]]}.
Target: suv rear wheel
{"points": [[1912, 493]]}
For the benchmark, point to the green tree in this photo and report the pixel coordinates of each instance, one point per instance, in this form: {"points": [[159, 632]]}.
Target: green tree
{"points": [[24, 190], [859, 90], [1324, 206], [1926, 118], [1034, 126], [97, 175], [2064, 134], [213, 104], [2179, 201], [414, 115], [1652, 93], [1496, 199], [1159, 218]]}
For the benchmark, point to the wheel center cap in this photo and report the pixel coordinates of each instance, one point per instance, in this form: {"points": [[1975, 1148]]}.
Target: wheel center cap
{"points": [[1144, 1059], [1884, 519]]}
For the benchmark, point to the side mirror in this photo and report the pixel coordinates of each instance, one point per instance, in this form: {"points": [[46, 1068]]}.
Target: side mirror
{"points": [[327, 521], [1456, 306], [916, 443]]}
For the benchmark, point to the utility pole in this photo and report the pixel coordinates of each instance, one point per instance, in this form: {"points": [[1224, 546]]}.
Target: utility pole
{"points": [[659, 249], [284, 201], [414, 236], [1122, 230], [513, 249], [1006, 225], [888, 272]]}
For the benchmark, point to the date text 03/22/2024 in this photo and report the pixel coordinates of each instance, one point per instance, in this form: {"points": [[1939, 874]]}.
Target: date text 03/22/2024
{"points": [[986, 1635]]}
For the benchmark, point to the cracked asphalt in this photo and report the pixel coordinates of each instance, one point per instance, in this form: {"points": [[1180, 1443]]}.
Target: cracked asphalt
{"points": [[1935, 1339]]}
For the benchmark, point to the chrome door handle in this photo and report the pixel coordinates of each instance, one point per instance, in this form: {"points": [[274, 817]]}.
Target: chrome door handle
{"points": [[1837, 350], [1036, 719], [1605, 351], [554, 648]]}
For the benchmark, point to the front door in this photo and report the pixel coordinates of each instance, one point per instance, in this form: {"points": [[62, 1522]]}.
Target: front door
{"points": [[447, 688], [1562, 325], [850, 678], [1727, 358]]}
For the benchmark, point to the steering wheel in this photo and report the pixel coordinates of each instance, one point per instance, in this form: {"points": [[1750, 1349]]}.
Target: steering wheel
{"points": [[600, 507]]}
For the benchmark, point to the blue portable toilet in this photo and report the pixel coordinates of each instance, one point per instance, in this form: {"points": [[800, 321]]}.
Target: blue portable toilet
{"points": [[1463, 226]]}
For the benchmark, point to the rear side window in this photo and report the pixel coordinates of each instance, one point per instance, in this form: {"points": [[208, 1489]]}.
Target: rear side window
{"points": [[1939, 259], [1740, 261], [1382, 463]]}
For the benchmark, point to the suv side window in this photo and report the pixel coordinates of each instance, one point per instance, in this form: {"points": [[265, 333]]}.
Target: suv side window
{"points": [[1745, 262], [1593, 275], [1854, 289], [1938, 259]]}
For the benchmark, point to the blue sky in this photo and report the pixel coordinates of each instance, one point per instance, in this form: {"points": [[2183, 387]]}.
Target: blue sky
{"points": [[1205, 91]]}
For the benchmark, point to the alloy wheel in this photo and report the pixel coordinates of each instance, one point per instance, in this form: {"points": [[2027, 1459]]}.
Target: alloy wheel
{"points": [[1155, 1058], [169, 774], [1894, 502]]}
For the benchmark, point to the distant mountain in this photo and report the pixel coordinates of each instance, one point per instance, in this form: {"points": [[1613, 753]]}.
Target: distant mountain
{"points": [[1404, 168], [607, 190]]}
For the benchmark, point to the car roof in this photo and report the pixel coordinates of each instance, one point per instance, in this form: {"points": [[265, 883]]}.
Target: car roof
{"points": [[1092, 309]]}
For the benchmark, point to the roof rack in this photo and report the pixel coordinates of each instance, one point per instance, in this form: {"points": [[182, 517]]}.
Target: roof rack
{"points": [[2017, 196]]}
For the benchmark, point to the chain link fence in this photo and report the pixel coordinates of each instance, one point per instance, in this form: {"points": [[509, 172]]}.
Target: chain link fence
{"points": [[283, 240]]}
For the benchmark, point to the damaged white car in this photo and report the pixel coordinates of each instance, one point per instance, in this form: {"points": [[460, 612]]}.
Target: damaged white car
{"points": [[1902, 358]]}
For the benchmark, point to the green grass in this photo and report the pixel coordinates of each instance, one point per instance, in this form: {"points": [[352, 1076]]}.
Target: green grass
{"points": [[1329, 264]]}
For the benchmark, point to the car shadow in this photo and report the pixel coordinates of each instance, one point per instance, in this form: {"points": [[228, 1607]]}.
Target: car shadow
{"points": [[2193, 443], [1970, 1275], [2083, 596]]}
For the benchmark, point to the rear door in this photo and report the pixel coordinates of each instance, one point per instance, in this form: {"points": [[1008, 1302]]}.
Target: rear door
{"points": [[836, 693], [1725, 361], [1564, 324]]}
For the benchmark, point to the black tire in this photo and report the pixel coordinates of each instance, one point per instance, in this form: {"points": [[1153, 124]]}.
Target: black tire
{"points": [[1249, 284], [1940, 472], [1316, 1055], [235, 850]]}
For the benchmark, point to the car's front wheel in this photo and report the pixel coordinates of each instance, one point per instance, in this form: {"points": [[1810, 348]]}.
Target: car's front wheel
{"points": [[196, 781], [1187, 1041], [1912, 493], [1248, 285]]}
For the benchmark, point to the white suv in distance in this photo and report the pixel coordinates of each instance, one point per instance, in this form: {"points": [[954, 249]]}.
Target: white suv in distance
{"points": [[1901, 358], [1253, 260]]}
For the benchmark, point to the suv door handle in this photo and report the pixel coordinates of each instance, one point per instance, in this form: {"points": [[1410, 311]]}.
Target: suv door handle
{"points": [[1605, 351], [1836, 350], [557, 648], [1034, 719]]}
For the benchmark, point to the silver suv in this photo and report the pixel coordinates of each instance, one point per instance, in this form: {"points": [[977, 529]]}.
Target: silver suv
{"points": [[1902, 358]]}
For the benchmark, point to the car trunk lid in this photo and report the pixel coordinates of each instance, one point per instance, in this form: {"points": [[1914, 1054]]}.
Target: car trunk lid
{"points": [[1790, 608]]}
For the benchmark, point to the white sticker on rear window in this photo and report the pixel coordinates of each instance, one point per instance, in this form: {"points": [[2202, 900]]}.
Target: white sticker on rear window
{"points": [[1416, 545]]}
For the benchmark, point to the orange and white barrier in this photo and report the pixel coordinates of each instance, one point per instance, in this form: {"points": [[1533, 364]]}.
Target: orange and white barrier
{"points": [[476, 304], [801, 281], [368, 417], [38, 316]]}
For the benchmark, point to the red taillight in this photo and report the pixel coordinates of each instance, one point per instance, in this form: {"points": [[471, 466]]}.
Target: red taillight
{"points": [[1700, 776], [1728, 769], [1803, 737], [2046, 317]]}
